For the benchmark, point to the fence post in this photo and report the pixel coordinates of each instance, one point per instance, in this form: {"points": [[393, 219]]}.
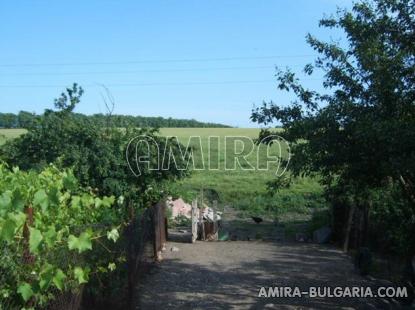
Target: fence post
{"points": [[202, 223], [163, 225], [156, 230], [27, 256], [215, 220], [194, 221]]}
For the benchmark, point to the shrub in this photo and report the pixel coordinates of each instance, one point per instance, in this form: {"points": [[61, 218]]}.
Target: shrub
{"points": [[48, 228]]}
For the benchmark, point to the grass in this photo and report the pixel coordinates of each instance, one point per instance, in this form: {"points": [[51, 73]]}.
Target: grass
{"points": [[245, 190], [242, 189]]}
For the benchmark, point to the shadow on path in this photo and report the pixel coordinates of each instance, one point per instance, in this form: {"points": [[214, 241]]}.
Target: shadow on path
{"points": [[229, 275]]}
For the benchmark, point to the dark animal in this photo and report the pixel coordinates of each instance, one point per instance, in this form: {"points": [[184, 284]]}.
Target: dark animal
{"points": [[256, 219]]}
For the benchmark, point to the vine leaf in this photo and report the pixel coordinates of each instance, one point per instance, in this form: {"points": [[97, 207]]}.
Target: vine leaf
{"points": [[34, 240], [19, 218], [58, 279], [45, 276], [53, 195], [18, 200], [113, 235], [5, 200], [80, 275], [41, 199], [112, 266], [50, 236], [69, 182], [82, 243], [7, 230], [25, 290]]}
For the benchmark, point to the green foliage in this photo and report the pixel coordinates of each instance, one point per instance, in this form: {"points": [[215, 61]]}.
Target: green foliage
{"points": [[26, 119], [35, 239], [96, 155], [67, 101], [320, 218], [81, 243], [181, 221], [72, 235], [360, 133], [391, 216], [25, 290], [361, 130], [53, 253]]}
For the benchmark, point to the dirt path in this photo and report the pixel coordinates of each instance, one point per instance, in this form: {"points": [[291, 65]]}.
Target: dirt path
{"points": [[228, 275]]}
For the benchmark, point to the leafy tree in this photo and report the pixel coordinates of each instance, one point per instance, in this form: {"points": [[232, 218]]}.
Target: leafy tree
{"points": [[67, 101], [8, 120], [68, 205], [26, 119], [97, 156], [359, 134]]}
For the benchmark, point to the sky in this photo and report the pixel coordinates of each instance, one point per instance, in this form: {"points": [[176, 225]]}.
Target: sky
{"points": [[209, 60]]}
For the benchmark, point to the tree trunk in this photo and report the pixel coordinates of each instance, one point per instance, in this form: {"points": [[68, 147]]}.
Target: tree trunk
{"points": [[27, 256], [366, 223], [408, 188], [349, 228]]}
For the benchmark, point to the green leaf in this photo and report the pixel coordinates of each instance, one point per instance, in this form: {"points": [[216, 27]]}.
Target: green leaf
{"points": [[50, 236], [120, 201], [46, 275], [82, 243], [113, 235], [7, 230], [34, 240], [80, 275], [97, 202], [58, 279], [70, 182], [53, 195], [5, 200], [111, 266], [41, 199], [19, 218], [108, 201], [25, 290], [18, 201], [76, 202]]}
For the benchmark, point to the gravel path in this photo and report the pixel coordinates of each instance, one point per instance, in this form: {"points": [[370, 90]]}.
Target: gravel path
{"points": [[228, 275]]}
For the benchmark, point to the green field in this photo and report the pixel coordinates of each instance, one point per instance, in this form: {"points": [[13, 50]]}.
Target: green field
{"points": [[245, 190], [242, 189], [6, 134]]}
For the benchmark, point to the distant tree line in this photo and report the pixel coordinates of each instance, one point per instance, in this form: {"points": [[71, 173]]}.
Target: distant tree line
{"points": [[26, 119]]}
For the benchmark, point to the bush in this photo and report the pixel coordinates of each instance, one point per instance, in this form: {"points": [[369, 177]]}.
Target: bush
{"points": [[96, 155], [48, 231]]}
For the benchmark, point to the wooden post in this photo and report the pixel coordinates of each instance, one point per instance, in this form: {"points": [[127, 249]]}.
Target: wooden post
{"points": [[194, 221], [162, 225], [166, 228], [201, 223], [27, 256], [215, 220], [349, 227], [157, 232]]}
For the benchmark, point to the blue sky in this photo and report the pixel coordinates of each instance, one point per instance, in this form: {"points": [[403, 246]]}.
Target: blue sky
{"points": [[209, 60]]}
